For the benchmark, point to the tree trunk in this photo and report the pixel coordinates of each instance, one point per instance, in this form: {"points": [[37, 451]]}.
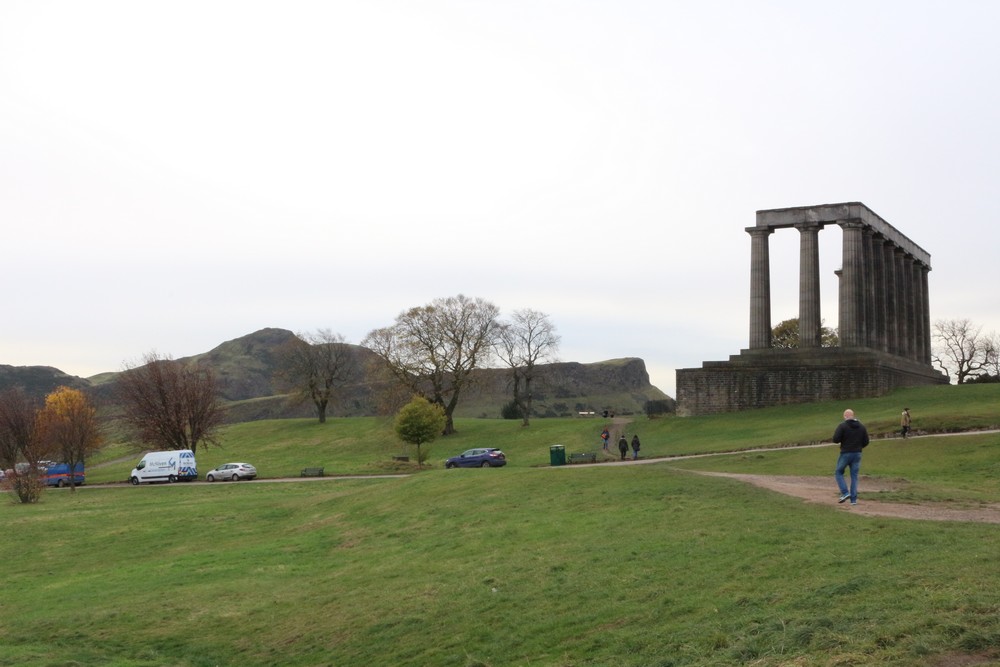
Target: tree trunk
{"points": [[524, 402]]}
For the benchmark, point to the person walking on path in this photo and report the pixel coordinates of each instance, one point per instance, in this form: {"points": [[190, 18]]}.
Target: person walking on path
{"points": [[635, 447], [605, 436], [623, 446], [852, 436], [904, 422]]}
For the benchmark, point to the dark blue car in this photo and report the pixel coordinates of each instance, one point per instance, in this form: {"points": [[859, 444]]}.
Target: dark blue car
{"points": [[484, 457]]}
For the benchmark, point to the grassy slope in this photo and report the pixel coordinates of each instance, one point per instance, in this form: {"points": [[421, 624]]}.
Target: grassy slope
{"points": [[644, 565]]}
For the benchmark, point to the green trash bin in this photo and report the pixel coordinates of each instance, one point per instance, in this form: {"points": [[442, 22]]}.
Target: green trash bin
{"points": [[557, 455]]}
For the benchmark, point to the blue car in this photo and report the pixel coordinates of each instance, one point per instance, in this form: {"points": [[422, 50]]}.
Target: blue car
{"points": [[484, 457]]}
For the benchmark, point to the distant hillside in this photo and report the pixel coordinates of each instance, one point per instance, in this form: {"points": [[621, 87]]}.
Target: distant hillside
{"points": [[38, 381], [567, 388], [246, 369]]}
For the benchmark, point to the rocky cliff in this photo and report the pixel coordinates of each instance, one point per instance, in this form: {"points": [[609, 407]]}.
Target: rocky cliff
{"points": [[246, 369]]}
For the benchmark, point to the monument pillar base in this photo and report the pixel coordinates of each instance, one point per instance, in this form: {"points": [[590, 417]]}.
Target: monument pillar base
{"points": [[765, 378]]}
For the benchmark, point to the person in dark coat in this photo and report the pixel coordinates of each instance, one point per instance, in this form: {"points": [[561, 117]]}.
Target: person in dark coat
{"points": [[623, 446], [852, 436], [635, 447]]}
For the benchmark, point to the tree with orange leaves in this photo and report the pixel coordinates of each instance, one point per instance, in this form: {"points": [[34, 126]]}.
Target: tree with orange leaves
{"points": [[68, 426]]}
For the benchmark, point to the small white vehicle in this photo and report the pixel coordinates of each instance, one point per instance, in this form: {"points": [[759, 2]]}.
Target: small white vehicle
{"points": [[231, 471], [172, 466]]}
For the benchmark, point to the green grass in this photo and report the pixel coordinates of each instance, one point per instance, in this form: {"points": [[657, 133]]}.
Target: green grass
{"points": [[526, 565]]}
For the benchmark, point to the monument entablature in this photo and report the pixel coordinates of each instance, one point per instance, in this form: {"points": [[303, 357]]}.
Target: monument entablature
{"points": [[831, 214]]}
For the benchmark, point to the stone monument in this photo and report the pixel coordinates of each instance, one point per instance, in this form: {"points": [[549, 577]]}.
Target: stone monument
{"points": [[884, 320]]}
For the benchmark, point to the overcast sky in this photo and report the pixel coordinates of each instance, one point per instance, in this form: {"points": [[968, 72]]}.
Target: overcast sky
{"points": [[177, 174]]}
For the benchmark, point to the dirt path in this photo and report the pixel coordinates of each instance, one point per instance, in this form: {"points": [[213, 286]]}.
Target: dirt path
{"points": [[823, 490]]}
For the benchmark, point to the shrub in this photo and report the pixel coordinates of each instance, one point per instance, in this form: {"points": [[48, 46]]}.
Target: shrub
{"points": [[26, 484], [511, 411]]}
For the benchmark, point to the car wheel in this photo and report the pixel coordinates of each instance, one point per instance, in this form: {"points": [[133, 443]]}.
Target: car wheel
{"points": [[236, 477], [450, 465], [135, 481], [210, 478], [172, 479], [484, 464], [61, 483]]}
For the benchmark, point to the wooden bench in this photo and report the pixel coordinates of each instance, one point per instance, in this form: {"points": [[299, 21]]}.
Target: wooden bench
{"points": [[588, 457], [311, 472]]}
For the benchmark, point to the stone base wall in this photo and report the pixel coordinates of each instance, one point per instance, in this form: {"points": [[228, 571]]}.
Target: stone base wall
{"points": [[765, 378]]}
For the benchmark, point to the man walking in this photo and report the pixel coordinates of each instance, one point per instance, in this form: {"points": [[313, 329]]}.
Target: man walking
{"points": [[623, 446], [852, 436], [904, 422]]}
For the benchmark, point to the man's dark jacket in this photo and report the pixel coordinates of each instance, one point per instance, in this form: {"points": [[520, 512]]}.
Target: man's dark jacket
{"points": [[851, 435]]}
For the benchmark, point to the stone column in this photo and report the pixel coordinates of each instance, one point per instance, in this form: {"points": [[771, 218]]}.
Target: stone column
{"points": [[889, 267], [903, 277], [879, 339], [810, 320], [760, 288], [852, 285], [926, 315], [918, 313], [868, 291]]}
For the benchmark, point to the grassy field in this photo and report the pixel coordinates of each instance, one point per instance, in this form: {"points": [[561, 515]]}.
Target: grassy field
{"points": [[525, 565]]}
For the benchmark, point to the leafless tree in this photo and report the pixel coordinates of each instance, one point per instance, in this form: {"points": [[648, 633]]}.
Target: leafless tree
{"points": [[993, 358], [17, 426], [20, 447], [434, 349], [527, 339], [961, 350], [316, 365], [170, 404]]}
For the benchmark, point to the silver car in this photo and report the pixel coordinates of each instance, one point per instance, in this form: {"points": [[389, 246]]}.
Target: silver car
{"points": [[231, 471]]}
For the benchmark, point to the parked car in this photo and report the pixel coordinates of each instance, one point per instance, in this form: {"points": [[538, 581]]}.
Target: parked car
{"points": [[58, 474], [231, 471], [483, 457]]}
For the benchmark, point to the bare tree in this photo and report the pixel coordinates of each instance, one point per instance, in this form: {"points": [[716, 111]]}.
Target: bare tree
{"points": [[17, 426], [316, 366], [527, 339], [170, 404], [993, 358], [961, 350], [68, 424], [433, 349], [20, 447]]}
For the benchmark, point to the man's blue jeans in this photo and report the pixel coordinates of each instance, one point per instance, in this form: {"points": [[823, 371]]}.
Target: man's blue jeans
{"points": [[850, 460]]}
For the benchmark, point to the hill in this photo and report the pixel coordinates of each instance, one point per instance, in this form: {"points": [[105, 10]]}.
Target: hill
{"points": [[246, 368], [38, 381]]}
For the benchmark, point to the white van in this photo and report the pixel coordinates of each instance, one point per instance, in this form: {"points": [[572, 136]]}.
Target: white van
{"points": [[165, 467]]}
